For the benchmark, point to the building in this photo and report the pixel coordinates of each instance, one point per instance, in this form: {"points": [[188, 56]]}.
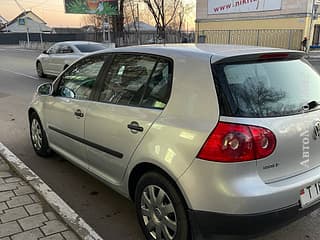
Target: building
{"points": [[275, 23], [26, 22], [3, 21], [141, 26]]}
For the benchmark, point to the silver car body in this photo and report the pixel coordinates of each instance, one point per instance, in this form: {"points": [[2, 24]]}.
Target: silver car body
{"points": [[174, 136], [54, 62]]}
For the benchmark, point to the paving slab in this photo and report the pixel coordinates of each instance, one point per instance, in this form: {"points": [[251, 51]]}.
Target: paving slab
{"points": [[31, 210]]}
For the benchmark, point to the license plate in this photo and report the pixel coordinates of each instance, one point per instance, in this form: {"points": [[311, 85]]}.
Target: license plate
{"points": [[310, 194]]}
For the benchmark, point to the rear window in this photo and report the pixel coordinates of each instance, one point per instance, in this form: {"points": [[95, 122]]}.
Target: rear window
{"points": [[266, 89], [90, 47]]}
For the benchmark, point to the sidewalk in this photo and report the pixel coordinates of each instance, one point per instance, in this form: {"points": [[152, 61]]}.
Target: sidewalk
{"points": [[314, 54], [30, 210]]}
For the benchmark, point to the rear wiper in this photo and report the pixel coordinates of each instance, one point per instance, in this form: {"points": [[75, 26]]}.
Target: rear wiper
{"points": [[310, 105]]}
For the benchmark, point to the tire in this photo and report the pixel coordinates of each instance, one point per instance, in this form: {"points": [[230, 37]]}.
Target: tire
{"points": [[40, 69], [38, 137], [160, 217]]}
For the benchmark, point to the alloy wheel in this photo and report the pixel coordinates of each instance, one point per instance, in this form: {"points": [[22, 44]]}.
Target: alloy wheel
{"points": [[158, 213], [36, 134]]}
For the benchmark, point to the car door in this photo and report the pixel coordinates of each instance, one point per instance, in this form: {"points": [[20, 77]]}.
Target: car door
{"points": [[65, 55], [66, 110], [124, 112], [48, 61]]}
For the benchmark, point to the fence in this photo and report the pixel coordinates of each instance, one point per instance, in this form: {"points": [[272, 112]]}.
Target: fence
{"points": [[134, 38], [280, 38], [15, 38], [128, 38]]}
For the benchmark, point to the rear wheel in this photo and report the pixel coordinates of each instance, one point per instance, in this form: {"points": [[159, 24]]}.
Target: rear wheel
{"points": [[40, 70], [160, 208], [38, 137]]}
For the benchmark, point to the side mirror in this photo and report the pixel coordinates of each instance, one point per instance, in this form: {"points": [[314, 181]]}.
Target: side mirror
{"points": [[45, 52], [44, 89]]}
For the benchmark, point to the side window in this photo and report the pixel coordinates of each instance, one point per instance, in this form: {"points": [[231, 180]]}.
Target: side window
{"points": [[59, 49], [158, 91], [79, 80], [127, 79]]}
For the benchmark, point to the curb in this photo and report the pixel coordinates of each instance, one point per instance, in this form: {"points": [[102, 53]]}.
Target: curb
{"points": [[314, 57], [70, 217]]}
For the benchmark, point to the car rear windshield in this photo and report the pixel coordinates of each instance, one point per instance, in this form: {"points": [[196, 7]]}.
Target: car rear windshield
{"points": [[266, 89], [90, 47]]}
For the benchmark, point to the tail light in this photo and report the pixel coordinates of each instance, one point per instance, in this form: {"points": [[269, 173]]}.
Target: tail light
{"points": [[237, 143]]}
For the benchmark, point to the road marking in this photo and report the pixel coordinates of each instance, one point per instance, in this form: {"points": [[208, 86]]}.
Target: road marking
{"points": [[19, 50], [26, 50], [20, 74]]}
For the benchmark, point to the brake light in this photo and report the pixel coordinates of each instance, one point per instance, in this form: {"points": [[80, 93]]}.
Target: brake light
{"points": [[274, 56], [231, 142]]}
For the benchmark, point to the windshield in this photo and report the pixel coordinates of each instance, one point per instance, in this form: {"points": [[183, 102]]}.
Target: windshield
{"points": [[90, 47], [266, 89]]}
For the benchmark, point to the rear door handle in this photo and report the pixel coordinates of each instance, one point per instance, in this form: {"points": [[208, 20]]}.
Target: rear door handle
{"points": [[134, 126], [78, 113]]}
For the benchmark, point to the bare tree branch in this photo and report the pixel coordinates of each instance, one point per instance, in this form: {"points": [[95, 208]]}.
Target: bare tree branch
{"points": [[163, 12]]}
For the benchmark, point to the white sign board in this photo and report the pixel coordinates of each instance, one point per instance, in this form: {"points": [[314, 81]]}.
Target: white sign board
{"points": [[240, 6]]}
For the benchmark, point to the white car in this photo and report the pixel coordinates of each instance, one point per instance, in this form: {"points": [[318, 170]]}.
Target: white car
{"points": [[59, 56]]}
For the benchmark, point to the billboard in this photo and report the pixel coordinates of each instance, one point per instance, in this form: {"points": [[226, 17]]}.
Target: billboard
{"points": [[240, 6], [101, 7]]}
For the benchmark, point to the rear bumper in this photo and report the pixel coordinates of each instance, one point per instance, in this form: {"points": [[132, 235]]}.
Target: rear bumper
{"points": [[205, 225], [237, 189]]}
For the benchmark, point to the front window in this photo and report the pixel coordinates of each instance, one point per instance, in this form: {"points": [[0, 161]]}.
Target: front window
{"points": [[65, 49], [266, 89], [78, 81], [53, 49]]}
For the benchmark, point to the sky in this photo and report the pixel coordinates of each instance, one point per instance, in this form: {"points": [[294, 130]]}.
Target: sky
{"points": [[51, 11]]}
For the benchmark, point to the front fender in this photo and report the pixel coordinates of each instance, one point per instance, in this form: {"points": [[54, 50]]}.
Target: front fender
{"points": [[37, 106]]}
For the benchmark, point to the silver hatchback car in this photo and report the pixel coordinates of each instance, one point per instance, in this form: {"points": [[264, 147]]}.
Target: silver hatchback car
{"points": [[60, 55], [205, 139]]}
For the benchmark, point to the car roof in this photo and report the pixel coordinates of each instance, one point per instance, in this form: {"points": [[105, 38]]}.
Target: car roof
{"points": [[77, 42], [202, 50]]}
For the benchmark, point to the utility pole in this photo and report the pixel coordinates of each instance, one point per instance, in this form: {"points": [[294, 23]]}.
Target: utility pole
{"points": [[25, 21], [314, 15], [138, 16]]}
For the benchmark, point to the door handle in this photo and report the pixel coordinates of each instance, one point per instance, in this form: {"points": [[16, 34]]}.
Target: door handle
{"points": [[134, 126], [78, 113]]}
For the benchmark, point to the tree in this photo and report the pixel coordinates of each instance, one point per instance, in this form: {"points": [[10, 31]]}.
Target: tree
{"points": [[93, 19], [118, 21], [163, 12], [181, 17], [131, 13]]}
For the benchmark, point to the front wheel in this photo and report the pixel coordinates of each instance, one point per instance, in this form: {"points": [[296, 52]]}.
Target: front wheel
{"points": [[40, 70], [160, 208], [38, 137]]}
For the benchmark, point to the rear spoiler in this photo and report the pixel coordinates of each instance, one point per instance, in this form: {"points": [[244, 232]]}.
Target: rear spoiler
{"points": [[263, 56]]}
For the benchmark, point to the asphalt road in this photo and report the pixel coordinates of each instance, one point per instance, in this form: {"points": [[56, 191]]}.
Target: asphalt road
{"points": [[110, 214]]}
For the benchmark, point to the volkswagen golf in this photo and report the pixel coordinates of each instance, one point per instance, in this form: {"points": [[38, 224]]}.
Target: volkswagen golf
{"points": [[205, 139]]}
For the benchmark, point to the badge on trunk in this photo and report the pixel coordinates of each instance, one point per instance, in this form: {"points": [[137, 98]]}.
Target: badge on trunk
{"points": [[316, 130]]}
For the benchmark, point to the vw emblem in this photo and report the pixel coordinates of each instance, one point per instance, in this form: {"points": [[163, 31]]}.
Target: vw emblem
{"points": [[316, 130]]}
